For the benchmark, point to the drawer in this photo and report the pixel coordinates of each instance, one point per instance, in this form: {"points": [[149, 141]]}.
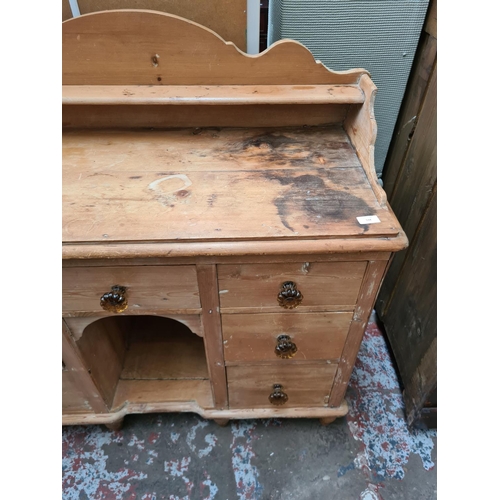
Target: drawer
{"points": [[147, 287], [250, 386], [322, 285], [254, 337]]}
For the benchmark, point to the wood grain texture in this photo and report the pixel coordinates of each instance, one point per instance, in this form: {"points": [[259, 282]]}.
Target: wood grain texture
{"points": [[74, 399], [249, 387], [161, 288], [422, 70], [78, 324], [234, 248], [252, 337], [422, 385], [79, 392], [258, 285], [211, 95], [206, 149], [161, 117], [240, 259], [226, 17], [102, 347], [361, 128], [415, 184], [135, 47], [151, 200], [410, 317], [367, 295], [207, 282], [407, 303], [163, 349], [151, 396], [135, 392]]}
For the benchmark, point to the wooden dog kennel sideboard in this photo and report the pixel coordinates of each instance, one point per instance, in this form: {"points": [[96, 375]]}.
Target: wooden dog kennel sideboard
{"points": [[224, 233]]}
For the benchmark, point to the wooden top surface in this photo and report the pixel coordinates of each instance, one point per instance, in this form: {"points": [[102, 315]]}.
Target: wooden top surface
{"points": [[190, 185]]}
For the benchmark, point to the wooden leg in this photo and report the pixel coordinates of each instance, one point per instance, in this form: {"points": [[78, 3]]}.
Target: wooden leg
{"points": [[115, 426], [221, 421], [327, 420]]}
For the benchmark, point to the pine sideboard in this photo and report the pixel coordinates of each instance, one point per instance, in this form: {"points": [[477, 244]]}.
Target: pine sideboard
{"points": [[224, 233]]}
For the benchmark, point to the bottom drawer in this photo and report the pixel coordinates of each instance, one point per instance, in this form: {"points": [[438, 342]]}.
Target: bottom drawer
{"points": [[250, 386]]}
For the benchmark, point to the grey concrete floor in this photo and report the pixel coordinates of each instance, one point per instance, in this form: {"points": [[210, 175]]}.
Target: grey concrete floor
{"points": [[370, 454]]}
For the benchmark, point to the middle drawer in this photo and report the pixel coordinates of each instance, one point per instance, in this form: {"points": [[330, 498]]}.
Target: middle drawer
{"points": [[258, 337]]}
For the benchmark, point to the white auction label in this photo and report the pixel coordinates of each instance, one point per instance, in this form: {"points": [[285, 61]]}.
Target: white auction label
{"points": [[369, 219]]}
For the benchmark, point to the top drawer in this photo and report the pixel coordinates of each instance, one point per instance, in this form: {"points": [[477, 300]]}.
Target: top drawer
{"points": [[320, 285], [147, 287]]}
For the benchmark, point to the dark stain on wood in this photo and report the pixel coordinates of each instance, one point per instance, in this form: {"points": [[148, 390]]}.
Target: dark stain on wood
{"points": [[309, 195], [296, 148]]}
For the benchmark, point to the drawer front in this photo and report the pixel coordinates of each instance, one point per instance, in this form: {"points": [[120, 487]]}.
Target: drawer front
{"points": [[250, 386], [321, 284], [254, 337], [147, 287]]}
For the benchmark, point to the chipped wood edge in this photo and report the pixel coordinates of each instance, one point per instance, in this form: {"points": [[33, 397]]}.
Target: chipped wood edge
{"points": [[193, 407]]}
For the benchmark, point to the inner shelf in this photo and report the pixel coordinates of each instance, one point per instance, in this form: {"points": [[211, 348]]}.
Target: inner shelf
{"points": [[145, 360], [163, 349]]}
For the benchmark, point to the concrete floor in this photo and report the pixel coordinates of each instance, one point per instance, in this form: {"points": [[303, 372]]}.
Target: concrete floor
{"points": [[370, 454]]}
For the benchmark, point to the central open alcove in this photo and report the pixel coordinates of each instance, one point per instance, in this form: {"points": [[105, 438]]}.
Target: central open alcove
{"points": [[146, 360]]}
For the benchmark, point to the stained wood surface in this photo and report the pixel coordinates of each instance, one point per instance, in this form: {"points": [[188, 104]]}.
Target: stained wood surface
{"points": [[162, 349], [210, 95], [226, 17], [252, 337], [250, 387], [180, 192], [206, 149], [323, 284], [161, 288], [135, 47]]}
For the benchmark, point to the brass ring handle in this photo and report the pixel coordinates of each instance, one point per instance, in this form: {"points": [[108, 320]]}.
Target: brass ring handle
{"points": [[278, 397], [115, 300], [285, 348], [289, 297]]}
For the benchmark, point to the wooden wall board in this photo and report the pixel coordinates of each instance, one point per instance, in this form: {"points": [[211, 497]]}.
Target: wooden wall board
{"points": [[226, 17], [102, 50], [407, 302]]}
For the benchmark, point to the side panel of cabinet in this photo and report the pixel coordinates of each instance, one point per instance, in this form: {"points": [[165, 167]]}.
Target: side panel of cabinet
{"points": [[79, 392]]}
